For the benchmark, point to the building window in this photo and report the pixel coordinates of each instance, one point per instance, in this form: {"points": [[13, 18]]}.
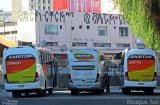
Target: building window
{"points": [[55, 44], [123, 31], [44, 7], [14, 32], [39, 7], [78, 44], [51, 30], [80, 27], [49, 2], [32, 7], [102, 30], [88, 27], [102, 45], [39, 1], [49, 8], [120, 45], [72, 28], [140, 45], [44, 1], [60, 27]]}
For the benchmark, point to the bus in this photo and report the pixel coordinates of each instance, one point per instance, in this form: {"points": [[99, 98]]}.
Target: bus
{"points": [[85, 71], [27, 70], [139, 70]]}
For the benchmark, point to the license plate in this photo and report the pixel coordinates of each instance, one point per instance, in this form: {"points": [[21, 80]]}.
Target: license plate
{"points": [[21, 86], [140, 83]]}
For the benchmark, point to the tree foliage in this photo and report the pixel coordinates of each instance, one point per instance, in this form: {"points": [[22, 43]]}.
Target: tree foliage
{"points": [[143, 16]]}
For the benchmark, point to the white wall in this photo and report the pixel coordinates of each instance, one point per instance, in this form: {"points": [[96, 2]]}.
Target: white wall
{"points": [[26, 27], [25, 5], [36, 30]]}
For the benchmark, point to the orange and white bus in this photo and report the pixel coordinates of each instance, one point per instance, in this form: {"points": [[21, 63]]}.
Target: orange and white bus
{"points": [[139, 70], [27, 69]]}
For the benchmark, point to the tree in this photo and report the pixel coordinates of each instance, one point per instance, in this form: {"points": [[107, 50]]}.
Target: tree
{"points": [[143, 16]]}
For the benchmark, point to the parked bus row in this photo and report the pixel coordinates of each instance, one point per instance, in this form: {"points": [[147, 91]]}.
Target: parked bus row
{"points": [[138, 67], [27, 69]]}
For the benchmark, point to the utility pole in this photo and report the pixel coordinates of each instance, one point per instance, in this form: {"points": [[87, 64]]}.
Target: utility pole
{"points": [[4, 26]]}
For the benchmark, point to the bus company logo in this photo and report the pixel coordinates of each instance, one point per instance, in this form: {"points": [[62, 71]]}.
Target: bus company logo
{"points": [[141, 57], [20, 56], [84, 57]]}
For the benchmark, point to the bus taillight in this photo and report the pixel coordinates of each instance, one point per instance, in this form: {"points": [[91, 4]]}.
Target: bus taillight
{"points": [[98, 77], [155, 76], [5, 78], [126, 76], [69, 78], [36, 77]]}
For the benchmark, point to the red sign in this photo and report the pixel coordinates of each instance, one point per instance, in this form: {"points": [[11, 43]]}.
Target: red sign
{"points": [[60, 4], [78, 5]]}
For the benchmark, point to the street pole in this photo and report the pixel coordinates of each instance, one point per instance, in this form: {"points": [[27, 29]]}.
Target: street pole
{"points": [[4, 26]]}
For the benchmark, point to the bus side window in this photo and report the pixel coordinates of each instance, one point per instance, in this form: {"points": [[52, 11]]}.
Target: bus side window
{"points": [[40, 59], [43, 57]]}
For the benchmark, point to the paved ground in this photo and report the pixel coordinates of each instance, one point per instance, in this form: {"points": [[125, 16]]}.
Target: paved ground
{"points": [[63, 97]]}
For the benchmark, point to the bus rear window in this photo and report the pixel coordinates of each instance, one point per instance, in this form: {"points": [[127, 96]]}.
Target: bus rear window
{"points": [[83, 67]]}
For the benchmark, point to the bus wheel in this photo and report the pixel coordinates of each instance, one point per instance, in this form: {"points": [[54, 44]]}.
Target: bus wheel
{"points": [[26, 94], [50, 91], [149, 91], [99, 91], [16, 94], [126, 91], [74, 92], [41, 92]]}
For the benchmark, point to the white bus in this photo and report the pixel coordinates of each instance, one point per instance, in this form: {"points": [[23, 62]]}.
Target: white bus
{"points": [[85, 71], [27, 69], [139, 70]]}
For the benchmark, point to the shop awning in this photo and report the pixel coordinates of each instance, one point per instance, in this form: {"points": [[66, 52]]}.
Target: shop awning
{"points": [[5, 43]]}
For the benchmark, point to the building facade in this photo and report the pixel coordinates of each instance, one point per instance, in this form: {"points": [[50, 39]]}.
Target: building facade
{"points": [[62, 31], [5, 16], [16, 6], [23, 5], [9, 31]]}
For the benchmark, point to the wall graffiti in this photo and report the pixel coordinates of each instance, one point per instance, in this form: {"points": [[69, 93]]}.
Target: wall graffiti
{"points": [[83, 40], [98, 18], [50, 16], [61, 16], [26, 16]]}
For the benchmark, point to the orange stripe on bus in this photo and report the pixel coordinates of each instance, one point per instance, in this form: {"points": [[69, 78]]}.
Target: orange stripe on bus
{"points": [[13, 66], [137, 65]]}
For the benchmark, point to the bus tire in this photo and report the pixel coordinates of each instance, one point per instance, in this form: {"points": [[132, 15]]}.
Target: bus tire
{"points": [[126, 91], [16, 94], [50, 91], [100, 91], [74, 92], [41, 92], [26, 94], [149, 91]]}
